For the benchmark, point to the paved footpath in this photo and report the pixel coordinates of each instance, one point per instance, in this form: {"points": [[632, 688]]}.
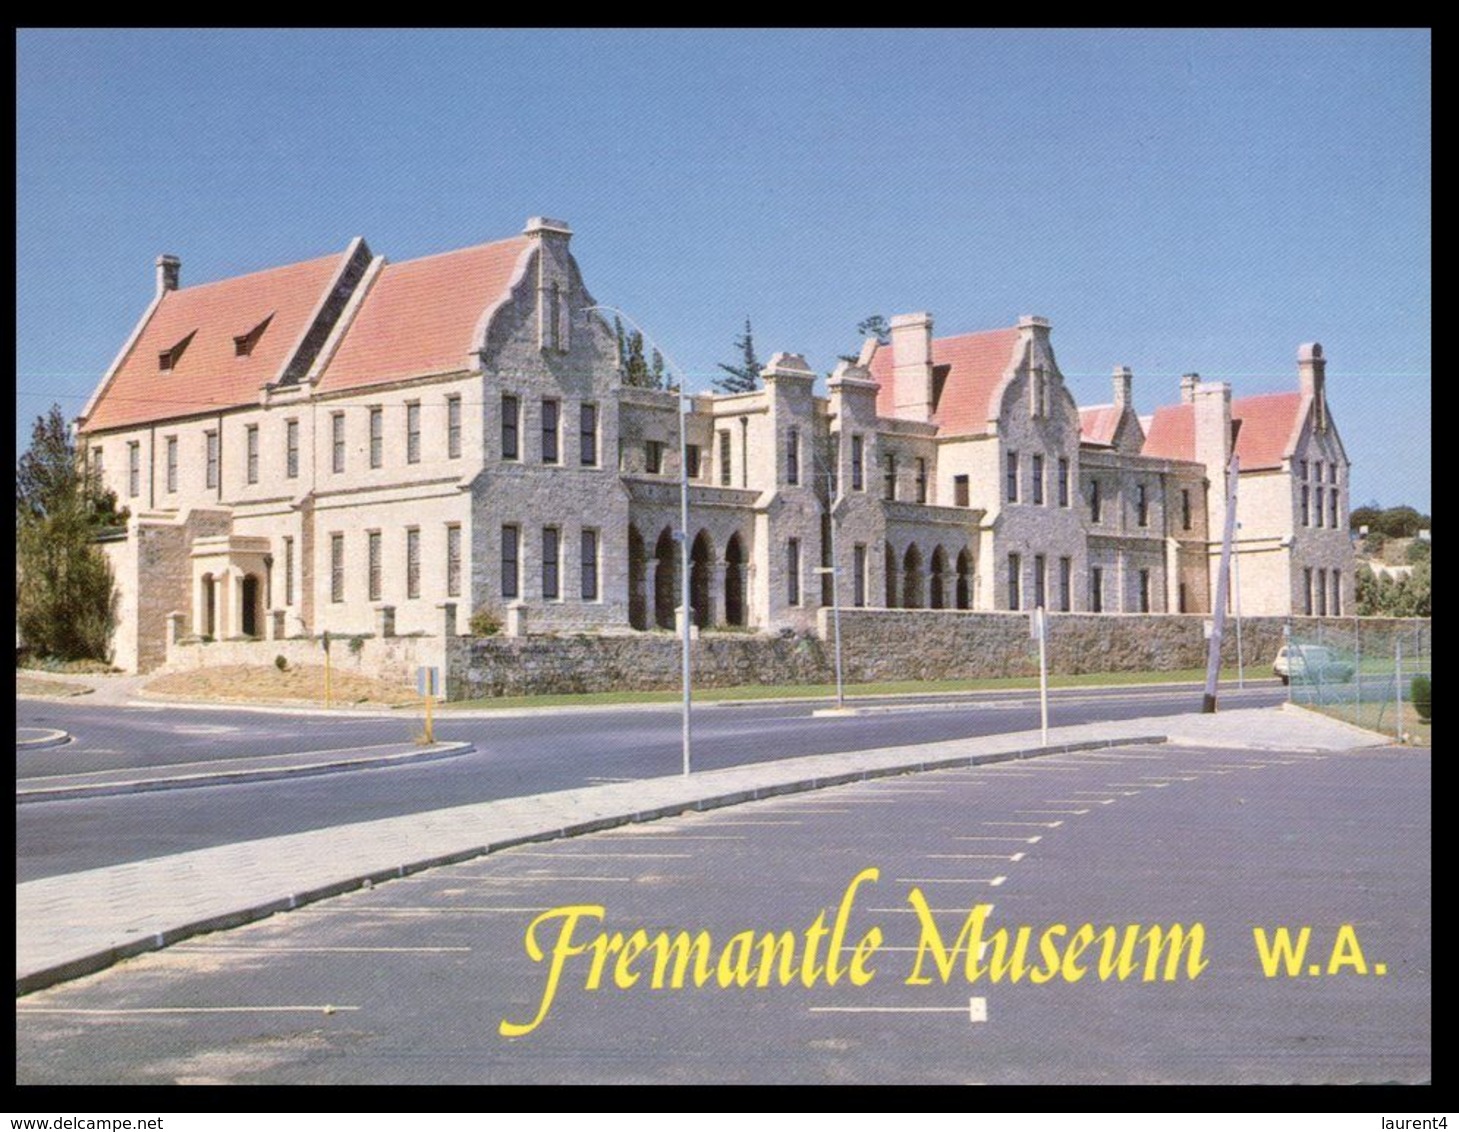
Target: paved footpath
{"points": [[73, 924]]}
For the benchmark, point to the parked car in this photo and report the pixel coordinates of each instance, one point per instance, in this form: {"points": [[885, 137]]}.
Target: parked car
{"points": [[1311, 664]]}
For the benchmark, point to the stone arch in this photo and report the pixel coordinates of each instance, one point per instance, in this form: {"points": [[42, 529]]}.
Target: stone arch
{"points": [[664, 580], [964, 580], [890, 570], [734, 581], [936, 584], [701, 576], [637, 579], [912, 578]]}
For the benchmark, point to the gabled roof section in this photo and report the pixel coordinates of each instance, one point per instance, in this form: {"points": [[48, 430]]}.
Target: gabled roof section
{"points": [[1098, 423], [209, 373], [421, 316], [1266, 428], [973, 365]]}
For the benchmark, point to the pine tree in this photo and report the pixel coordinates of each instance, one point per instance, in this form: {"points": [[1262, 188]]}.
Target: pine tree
{"points": [[745, 377], [635, 368], [872, 326], [657, 378]]}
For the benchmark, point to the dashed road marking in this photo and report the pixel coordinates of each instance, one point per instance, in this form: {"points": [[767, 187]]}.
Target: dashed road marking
{"points": [[974, 857], [1077, 802], [1026, 840], [1035, 824], [1051, 811]]}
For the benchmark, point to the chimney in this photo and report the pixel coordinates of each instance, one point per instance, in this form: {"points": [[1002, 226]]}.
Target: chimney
{"points": [[912, 366], [1188, 383], [1212, 401], [555, 299], [169, 268], [1123, 378], [1312, 379], [544, 227]]}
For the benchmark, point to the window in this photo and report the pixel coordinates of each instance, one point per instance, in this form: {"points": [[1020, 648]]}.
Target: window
{"points": [[1319, 506], [1306, 506], [792, 571], [172, 463], [453, 427], [1332, 508], [724, 459], [1142, 505], [1182, 606], [549, 432], [134, 469], [1185, 508], [1318, 471], [412, 432], [1063, 482], [691, 457], [336, 567], [960, 490], [1144, 591], [511, 410], [377, 436], [291, 449], [412, 562], [288, 570], [374, 566], [212, 448], [510, 538], [1039, 597], [1322, 593], [251, 447], [1096, 589], [921, 480], [337, 424], [1012, 479], [1304, 471], [889, 481], [589, 558], [1040, 389], [653, 456], [1066, 584], [1038, 479], [792, 457], [858, 452], [1337, 593], [550, 589], [453, 560], [1094, 501], [858, 572], [1015, 568], [1307, 590], [588, 436]]}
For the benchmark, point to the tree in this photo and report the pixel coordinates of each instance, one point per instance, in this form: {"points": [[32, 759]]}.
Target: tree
{"points": [[872, 326], [65, 595], [745, 377]]}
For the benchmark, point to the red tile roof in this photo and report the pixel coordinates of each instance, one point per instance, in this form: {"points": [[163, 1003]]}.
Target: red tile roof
{"points": [[1265, 427], [975, 364], [1097, 424], [420, 316], [209, 374]]}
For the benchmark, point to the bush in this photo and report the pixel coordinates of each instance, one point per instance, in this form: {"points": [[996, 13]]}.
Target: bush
{"points": [[357, 645], [281, 662], [485, 623], [1420, 692]]}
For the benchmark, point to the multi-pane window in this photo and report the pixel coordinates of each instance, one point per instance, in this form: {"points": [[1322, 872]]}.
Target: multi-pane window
{"points": [[1142, 505], [1144, 591], [412, 432], [1332, 508], [171, 464], [510, 553], [1038, 478], [1039, 597], [653, 456], [377, 436], [1306, 506], [134, 469], [375, 565], [1066, 584], [1181, 598], [858, 453], [1015, 569], [453, 427], [549, 432], [792, 456], [858, 575], [336, 567], [251, 448], [511, 412], [412, 562], [889, 477], [1063, 482], [1322, 593], [96, 464], [212, 449], [724, 459], [588, 436], [551, 591], [453, 560], [1185, 508], [1095, 503], [1337, 593], [1307, 590], [921, 480], [691, 459], [288, 570], [960, 490], [1096, 589], [1319, 506], [792, 571], [589, 560], [291, 449], [337, 425], [1304, 471], [1012, 477]]}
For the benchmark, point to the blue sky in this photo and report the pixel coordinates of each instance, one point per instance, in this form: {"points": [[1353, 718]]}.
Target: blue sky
{"points": [[1171, 201]]}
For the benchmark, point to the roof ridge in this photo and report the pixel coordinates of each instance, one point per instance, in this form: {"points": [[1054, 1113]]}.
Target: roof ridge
{"points": [[311, 261], [453, 251]]}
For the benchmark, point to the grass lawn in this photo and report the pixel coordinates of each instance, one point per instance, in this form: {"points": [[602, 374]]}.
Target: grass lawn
{"points": [[1379, 717]]}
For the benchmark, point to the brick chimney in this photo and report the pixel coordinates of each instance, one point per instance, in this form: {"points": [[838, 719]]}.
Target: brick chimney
{"points": [[169, 270], [912, 366], [1123, 378]]}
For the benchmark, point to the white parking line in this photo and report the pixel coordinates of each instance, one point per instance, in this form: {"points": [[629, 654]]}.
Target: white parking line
{"points": [[1035, 824], [974, 857], [566, 856], [323, 1008], [1156, 785], [992, 881], [265, 949], [976, 1010], [531, 879], [1077, 802], [1050, 811], [672, 836], [1027, 840]]}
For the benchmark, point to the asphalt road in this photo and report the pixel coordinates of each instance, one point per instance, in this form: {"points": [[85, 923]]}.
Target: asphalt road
{"points": [[419, 974], [515, 755]]}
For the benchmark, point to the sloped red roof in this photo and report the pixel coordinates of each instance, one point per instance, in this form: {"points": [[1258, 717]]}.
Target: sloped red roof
{"points": [[1264, 426], [1097, 424], [975, 364], [208, 373], [420, 316]]}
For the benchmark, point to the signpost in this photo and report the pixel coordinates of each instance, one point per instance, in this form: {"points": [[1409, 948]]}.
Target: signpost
{"points": [[1038, 629], [428, 682]]}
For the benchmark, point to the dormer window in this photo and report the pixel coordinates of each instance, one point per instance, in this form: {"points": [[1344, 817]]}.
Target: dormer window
{"points": [[169, 358], [243, 343]]}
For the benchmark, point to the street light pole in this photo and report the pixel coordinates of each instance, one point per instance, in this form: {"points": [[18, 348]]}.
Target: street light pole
{"points": [[832, 482], [679, 395], [1236, 567]]}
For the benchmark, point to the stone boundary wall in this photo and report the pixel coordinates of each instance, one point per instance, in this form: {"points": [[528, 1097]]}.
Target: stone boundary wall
{"points": [[393, 659]]}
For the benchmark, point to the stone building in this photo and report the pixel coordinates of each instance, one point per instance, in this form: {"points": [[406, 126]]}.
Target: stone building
{"points": [[352, 445]]}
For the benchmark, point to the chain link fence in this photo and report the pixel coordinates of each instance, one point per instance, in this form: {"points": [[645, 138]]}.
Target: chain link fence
{"points": [[1360, 671]]}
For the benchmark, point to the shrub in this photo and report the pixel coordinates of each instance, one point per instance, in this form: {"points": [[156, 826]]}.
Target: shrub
{"points": [[1421, 692], [281, 662], [357, 645], [485, 623]]}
